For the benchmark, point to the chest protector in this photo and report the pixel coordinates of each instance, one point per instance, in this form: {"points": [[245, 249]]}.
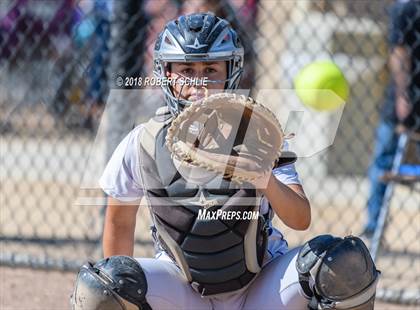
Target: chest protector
{"points": [[215, 255]]}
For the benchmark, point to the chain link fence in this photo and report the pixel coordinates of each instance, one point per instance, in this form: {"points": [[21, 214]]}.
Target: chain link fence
{"points": [[63, 112]]}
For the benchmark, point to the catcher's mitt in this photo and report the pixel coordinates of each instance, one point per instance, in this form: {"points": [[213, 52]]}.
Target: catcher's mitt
{"points": [[225, 134]]}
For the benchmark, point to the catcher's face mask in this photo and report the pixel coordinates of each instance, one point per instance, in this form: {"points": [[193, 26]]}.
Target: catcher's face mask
{"points": [[197, 38], [196, 80]]}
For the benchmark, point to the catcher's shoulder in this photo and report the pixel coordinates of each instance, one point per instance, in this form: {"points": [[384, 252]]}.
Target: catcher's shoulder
{"points": [[136, 131]]}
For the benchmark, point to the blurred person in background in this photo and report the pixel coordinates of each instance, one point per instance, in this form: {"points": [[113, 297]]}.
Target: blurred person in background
{"points": [[79, 78], [97, 26], [73, 36], [36, 30], [242, 15], [402, 99], [33, 35], [158, 14]]}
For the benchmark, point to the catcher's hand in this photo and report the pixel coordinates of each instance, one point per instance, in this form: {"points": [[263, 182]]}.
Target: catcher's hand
{"points": [[227, 134]]}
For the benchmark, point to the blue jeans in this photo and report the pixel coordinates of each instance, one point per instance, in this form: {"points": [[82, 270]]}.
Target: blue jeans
{"points": [[385, 149]]}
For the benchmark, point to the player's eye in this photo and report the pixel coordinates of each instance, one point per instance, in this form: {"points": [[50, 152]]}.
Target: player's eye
{"points": [[187, 71], [210, 70]]}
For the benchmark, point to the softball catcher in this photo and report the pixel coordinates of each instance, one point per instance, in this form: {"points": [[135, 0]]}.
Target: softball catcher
{"points": [[211, 149]]}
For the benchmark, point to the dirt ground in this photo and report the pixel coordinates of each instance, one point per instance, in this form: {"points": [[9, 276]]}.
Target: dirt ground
{"points": [[37, 289]]}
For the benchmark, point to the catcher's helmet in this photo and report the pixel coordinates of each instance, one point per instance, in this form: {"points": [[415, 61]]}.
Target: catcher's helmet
{"points": [[196, 38]]}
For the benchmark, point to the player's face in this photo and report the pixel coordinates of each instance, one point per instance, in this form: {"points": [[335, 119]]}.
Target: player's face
{"points": [[211, 70]]}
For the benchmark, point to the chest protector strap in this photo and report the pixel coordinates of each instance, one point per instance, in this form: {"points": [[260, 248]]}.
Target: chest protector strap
{"points": [[216, 255]]}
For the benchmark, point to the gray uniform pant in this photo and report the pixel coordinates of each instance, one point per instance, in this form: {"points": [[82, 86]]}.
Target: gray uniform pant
{"points": [[276, 287]]}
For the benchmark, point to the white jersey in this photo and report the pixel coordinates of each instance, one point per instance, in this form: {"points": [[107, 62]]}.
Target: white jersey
{"points": [[122, 180]]}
